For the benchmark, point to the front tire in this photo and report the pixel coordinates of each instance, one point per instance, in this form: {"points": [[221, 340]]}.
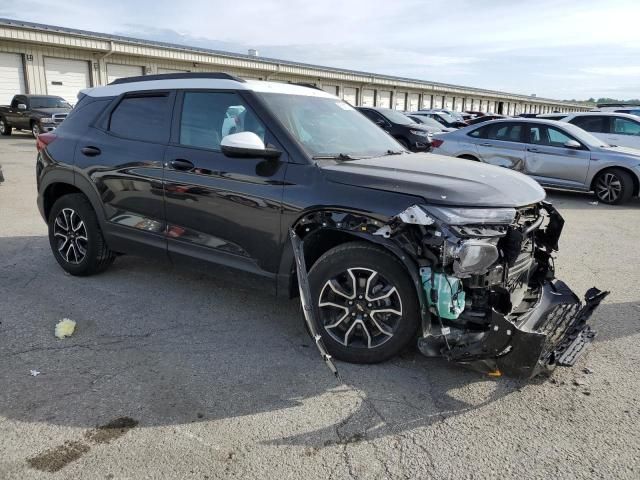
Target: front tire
{"points": [[365, 303], [75, 236], [35, 130], [613, 186], [5, 129]]}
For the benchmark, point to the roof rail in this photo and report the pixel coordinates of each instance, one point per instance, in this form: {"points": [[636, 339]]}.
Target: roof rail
{"points": [[175, 76]]}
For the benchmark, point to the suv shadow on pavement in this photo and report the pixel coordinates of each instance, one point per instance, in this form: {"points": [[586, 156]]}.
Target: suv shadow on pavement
{"points": [[167, 346]]}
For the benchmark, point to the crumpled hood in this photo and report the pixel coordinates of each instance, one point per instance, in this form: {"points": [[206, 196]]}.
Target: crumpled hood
{"points": [[439, 180]]}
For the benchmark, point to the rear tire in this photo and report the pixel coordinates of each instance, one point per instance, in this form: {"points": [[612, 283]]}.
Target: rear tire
{"points": [[613, 186], [5, 129], [382, 316], [75, 236]]}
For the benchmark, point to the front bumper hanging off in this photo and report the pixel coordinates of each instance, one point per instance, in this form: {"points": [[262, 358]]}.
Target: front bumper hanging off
{"points": [[552, 333]]}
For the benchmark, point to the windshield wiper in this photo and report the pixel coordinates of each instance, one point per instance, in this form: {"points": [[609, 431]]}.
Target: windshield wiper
{"points": [[337, 156]]}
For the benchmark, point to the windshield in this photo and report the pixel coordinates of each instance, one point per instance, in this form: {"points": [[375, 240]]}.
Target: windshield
{"points": [[584, 136], [329, 127], [446, 117], [48, 102], [395, 116], [429, 121]]}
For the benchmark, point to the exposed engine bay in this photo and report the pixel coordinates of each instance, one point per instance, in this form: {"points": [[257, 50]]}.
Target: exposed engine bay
{"points": [[486, 283]]}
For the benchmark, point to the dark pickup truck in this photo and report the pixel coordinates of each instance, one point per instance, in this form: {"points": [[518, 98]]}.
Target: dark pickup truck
{"points": [[38, 113]]}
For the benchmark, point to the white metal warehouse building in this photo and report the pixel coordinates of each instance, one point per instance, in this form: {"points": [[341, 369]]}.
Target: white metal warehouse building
{"points": [[44, 59]]}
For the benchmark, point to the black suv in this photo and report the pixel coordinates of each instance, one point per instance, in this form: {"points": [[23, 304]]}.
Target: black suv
{"points": [[271, 178], [411, 135]]}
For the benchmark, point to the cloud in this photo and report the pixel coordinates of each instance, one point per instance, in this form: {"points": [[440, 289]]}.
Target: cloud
{"points": [[554, 48], [623, 71]]}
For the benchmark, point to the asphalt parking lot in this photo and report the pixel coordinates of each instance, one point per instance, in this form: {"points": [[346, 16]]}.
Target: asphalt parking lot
{"points": [[183, 374]]}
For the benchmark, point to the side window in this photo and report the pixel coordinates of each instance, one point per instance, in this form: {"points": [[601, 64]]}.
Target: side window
{"points": [[479, 132], [624, 126], [506, 132], [591, 123], [208, 117], [557, 138], [536, 134], [144, 117]]}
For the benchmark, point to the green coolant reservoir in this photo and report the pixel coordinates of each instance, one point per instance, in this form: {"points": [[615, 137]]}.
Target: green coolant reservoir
{"points": [[448, 297]]}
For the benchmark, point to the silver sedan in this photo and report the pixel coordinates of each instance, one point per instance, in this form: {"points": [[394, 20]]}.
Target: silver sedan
{"points": [[556, 154]]}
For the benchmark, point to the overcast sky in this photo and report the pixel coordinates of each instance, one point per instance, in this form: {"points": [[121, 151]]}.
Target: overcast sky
{"points": [[554, 48]]}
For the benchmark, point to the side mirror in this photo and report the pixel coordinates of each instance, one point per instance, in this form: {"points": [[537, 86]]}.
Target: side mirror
{"points": [[246, 144], [572, 144], [22, 106]]}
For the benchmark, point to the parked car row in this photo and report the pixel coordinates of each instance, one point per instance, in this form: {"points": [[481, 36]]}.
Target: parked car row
{"points": [[557, 154], [386, 248]]}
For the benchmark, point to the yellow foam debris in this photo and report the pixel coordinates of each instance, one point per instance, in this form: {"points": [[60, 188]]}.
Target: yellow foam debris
{"points": [[65, 328]]}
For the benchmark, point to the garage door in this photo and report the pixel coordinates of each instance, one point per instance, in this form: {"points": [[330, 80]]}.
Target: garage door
{"points": [[400, 103], [350, 95], [332, 89], [11, 77], [426, 101], [115, 71], [170, 70], [384, 99], [437, 101], [414, 101], [448, 103], [66, 78], [367, 98]]}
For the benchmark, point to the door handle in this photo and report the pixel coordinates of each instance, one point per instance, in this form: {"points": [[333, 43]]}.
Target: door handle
{"points": [[181, 164], [534, 150], [486, 145], [91, 151]]}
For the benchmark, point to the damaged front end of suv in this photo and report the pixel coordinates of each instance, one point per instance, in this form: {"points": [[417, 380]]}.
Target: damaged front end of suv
{"points": [[486, 284]]}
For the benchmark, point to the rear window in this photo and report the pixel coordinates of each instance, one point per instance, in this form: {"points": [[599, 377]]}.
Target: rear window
{"points": [[146, 118]]}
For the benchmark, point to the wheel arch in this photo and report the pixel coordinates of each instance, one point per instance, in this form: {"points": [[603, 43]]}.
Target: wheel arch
{"points": [[323, 229], [634, 177], [59, 185]]}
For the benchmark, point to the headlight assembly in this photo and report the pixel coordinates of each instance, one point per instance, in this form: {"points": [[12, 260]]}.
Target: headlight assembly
{"points": [[474, 216], [474, 257]]}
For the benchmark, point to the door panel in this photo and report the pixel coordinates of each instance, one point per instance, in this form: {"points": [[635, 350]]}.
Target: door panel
{"points": [[624, 132], [502, 146], [125, 164], [226, 210], [549, 162]]}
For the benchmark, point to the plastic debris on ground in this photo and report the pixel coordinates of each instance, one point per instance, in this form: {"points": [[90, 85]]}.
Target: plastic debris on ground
{"points": [[34, 373], [65, 328], [593, 203]]}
